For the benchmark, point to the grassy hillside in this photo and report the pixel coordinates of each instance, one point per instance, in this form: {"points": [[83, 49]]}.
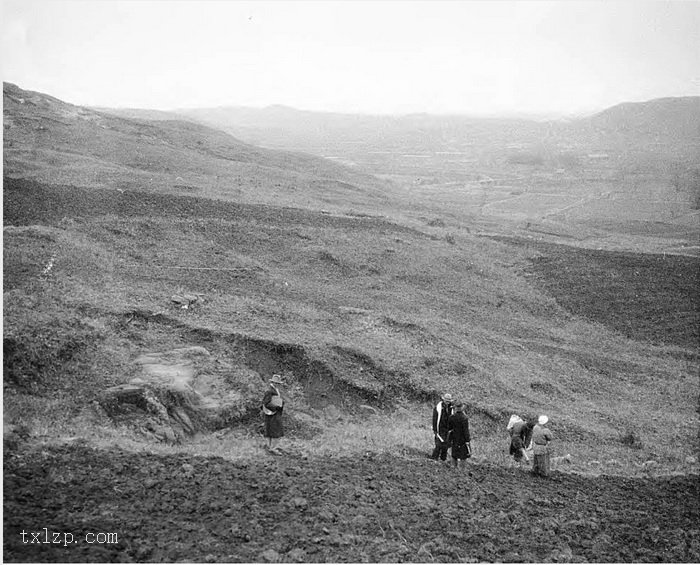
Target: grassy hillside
{"points": [[54, 142], [369, 318], [390, 313], [656, 119]]}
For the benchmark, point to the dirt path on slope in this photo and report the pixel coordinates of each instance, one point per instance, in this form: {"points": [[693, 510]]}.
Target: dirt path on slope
{"points": [[374, 508]]}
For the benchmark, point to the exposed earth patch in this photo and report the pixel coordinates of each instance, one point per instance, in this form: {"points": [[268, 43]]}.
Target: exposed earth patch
{"points": [[373, 508], [646, 297]]}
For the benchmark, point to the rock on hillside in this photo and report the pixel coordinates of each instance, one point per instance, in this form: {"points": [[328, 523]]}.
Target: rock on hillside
{"points": [[177, 393]]}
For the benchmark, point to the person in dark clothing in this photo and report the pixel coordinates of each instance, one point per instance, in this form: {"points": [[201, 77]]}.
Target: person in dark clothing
{"points": [[460, 437], [520, 434], [272, 408], [441, 414], [527, 436]]}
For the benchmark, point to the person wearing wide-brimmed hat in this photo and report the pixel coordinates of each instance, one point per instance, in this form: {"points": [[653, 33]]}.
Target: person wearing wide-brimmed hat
{"points": [[541, 438], [272, 407], [441, 414]]}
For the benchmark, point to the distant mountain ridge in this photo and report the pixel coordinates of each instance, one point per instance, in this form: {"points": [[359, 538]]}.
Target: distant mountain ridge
{"points": [[667, 120], [646, 150], [669, 116], [675, 118]]}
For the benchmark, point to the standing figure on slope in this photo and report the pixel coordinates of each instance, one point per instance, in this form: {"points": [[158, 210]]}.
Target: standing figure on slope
{"points": [[441, 414], [541, 438], [520, 433], [460, 437], [272, 407]]}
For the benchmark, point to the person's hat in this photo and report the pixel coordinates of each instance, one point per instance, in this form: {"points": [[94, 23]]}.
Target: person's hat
{"points": [[447, 397], [277, 379], [542, 420]]}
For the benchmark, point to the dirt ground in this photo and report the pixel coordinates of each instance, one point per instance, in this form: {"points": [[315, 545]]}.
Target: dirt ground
{"points": [[661, 292], [372, 508]]}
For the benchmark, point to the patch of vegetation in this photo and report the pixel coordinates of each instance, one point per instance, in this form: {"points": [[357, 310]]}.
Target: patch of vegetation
{"points": [[547, 389], [436, 223], [327, 257], [631, 439], [40, 359]]}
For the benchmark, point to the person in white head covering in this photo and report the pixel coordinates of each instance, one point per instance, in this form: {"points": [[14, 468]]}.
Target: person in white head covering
{"points": [[441, 414], [519, 436], [541, 438]]}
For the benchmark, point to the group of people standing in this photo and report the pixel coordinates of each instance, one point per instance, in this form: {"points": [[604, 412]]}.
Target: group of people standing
{"points": [[451, 431], [450, 428]]}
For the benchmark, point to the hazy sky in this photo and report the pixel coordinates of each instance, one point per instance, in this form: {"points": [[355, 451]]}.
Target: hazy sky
{"points": [[468, 57]]}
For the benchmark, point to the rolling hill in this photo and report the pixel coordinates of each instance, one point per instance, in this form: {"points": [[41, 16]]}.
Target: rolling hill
{"points": [[677, 118], [52, 141]]}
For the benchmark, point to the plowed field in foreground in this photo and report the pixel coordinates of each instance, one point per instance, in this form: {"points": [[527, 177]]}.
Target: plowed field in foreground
{"points": [[370, 508]]}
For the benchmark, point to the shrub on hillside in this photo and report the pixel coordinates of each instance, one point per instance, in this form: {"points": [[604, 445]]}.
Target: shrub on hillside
{"points": [[631, 439], [35, 357], [436, 223]]}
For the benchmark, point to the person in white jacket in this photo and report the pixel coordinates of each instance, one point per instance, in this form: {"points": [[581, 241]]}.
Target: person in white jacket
{"points": [[441, 414]]}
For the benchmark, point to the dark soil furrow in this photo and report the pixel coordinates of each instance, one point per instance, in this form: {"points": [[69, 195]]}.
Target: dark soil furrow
{"points": [[646, 297], [28, 202], [369, 508]]}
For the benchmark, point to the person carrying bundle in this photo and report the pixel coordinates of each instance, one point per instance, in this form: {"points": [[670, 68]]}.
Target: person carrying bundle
{"points": [[520, 432]]}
